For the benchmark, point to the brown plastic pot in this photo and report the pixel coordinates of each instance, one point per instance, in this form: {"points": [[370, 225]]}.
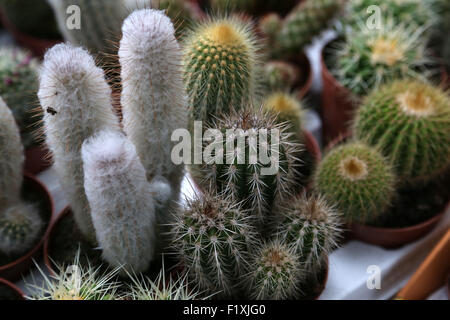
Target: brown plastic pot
{"points": [[13, 270], [338, 104], [36, 159], [13, 288]]}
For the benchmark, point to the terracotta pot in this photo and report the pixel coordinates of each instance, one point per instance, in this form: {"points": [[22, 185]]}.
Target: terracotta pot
{"points": [[36, 45], [312, 146], [13, 270], [338, 104], [13, 288], [305, 82], [36, 159]]}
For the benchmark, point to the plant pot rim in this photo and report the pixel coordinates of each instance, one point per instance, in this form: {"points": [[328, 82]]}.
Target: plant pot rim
{"points": [[13, 287], [28, 255]]}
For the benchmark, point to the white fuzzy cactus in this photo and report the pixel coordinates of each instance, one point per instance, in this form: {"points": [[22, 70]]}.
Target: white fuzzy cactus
{"points": [[153, 98], [11, 158], [76, 103], [121, 200]]}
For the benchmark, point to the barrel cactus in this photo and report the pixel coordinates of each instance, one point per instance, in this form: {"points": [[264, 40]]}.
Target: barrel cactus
{"points": [[280, 76], [358, 179], [409, 121]]}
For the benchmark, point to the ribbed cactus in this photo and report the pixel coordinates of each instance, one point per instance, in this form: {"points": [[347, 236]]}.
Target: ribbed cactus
{"points": [[76, 103], [358, 179], [154, 101], [220, 66], [276, 272], [244, 172], [18, 85], [280, 75], [212, 236], [369, 58], [11, 158], [307, 20], [122, 209], [20, 226], [100, 22], [410, 123], [312, 227]]}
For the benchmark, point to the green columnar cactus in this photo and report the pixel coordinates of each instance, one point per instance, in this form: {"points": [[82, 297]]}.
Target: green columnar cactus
{"points": [[368, 58], [100, 25], [238, 166], [307, 20], [220, 66], [358, 179], [20, 226], [212, 236], [18, 83], [312, 227], [410, 123], [11, 158], [154, 102], [280, 76], [76, 102], [276, 272]]}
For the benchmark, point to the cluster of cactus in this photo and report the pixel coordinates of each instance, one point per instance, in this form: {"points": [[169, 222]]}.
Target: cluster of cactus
{"points": [[101, 170], [220, 67], [20, 223], [409, 122], [280, 76], [18, 82], [358, 180], [367, 58]]}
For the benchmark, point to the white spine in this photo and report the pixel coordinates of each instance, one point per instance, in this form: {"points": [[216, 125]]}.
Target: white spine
{"points": [[123, 211], [76, 103]]}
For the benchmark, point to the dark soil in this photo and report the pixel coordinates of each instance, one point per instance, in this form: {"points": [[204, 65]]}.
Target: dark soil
{"points": [[6, 293]]}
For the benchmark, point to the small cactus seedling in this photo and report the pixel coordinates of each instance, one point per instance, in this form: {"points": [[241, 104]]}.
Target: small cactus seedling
{"points": [[358, 179], [220, 66], [20, 226], [212, 237], [76, 93], [368, 58], [239, 167], [18, 82], [280, 76], [276, 272], [410, 123], [312, 227]]}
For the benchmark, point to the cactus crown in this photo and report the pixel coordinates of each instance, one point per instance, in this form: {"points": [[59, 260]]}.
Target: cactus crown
{"points": [[409, 121]]}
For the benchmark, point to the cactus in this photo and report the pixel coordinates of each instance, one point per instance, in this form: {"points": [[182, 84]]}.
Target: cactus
{"points": [[122, 209], [307, 20], [11, 159], [182, 13], [76, 102], [154, 102], [240, 174], [410, 123], [220, 66], [18, 83], [75, 281], [20, 227], [442, 9], [280, 76], [212, 236], [368, 58], [358, 179], [100, 22], [224, 6], [276, 272], [312, 227]]}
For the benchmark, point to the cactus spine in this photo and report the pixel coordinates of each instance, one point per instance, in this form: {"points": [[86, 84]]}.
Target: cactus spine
{"points": [[212, 237], [220, 70], [276, 273], [153, 96], [410, 123], [76, 102], [120, 197], [358, 179]]}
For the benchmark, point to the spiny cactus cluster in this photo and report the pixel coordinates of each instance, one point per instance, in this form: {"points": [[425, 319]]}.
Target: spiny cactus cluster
{"points": [[409, 122], [358, 179], [18, 82], [368, 58], [220, 70], [280, 76], [118, 188]]}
